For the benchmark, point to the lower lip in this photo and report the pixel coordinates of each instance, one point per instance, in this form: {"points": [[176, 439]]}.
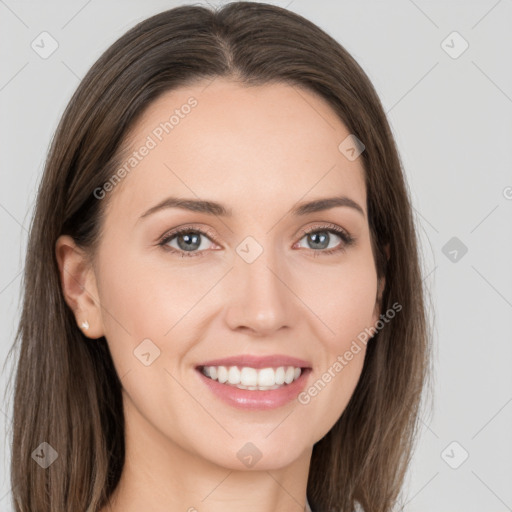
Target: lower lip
{"points": [[255, 399]]}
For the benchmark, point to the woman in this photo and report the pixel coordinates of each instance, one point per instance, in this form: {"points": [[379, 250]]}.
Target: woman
{"points": [[223, 303]]}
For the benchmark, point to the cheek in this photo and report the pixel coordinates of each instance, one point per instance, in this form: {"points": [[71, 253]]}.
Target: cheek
{"points": [[152, 306], [147, 299], [147, 312], [328, 394], [343, 297]]}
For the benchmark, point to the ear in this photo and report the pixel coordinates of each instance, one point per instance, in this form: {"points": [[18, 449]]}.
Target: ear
{"points": [[78, 283], [381, 284]]}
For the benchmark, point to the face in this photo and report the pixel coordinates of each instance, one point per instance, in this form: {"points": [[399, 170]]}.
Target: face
{"points": [[244, 278]]}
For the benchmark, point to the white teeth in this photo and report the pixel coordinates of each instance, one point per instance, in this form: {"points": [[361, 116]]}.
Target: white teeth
{"points": [[234, 375], [251, 378], [267, 376], [222, 374], [280, 375], [290, 372]]}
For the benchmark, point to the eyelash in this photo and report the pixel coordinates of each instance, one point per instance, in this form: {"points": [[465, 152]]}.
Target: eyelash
{"points": [[347, 239]]}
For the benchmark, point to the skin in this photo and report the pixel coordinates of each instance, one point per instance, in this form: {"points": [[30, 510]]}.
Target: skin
{"points": [[258, 151]]}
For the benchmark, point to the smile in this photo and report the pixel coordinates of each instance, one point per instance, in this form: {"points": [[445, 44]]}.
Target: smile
{"points": [[251, 378], [286, 383]]}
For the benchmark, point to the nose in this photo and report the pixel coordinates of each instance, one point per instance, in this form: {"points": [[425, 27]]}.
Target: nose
{"points": [[260, 298]]}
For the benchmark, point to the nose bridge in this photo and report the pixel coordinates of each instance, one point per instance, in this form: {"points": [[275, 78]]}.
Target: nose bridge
{"points": [[260, 300]]}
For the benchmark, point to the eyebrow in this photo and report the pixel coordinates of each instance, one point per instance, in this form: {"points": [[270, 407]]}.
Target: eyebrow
{"points": [[217, 209], [327, 203]]}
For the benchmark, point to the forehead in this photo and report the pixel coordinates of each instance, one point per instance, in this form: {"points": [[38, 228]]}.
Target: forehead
{"points": [[256, 146]]}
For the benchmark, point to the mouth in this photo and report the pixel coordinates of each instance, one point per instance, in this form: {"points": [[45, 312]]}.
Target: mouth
{"points": [[253, 379], [247, 387]]}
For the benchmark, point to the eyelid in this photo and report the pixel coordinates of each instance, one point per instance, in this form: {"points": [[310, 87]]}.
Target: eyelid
{"points": [[328, 227], [186, 228]]}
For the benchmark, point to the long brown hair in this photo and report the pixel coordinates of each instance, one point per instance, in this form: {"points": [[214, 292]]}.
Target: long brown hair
{"points": [[67, 392]]}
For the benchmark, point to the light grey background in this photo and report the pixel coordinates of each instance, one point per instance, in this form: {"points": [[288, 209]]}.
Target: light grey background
{"points": [[452, 121]]}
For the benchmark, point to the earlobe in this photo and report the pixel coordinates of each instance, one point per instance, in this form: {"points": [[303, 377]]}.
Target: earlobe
{"points": [[78, 284]]}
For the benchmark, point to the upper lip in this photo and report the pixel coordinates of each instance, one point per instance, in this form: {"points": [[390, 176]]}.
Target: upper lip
{"points": [[270, 361]]}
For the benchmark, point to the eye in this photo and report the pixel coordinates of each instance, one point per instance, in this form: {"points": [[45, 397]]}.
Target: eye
{"points": [[320, 239], [188, 241]]}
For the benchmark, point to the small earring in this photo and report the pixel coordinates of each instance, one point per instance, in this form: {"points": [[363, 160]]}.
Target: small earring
{"points": [[85, 325]]}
